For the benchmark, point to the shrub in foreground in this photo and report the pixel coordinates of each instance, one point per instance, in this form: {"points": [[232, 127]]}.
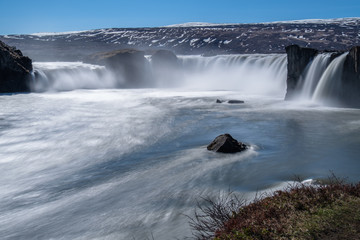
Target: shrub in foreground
{"points": [[299, 212]]}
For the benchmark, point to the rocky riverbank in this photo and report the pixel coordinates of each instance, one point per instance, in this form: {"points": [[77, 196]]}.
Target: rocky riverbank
{"points": [[300, 212], [15, 70]]}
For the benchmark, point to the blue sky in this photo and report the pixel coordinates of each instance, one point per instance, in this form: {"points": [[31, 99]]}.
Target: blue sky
{"points": [[30, 16]]}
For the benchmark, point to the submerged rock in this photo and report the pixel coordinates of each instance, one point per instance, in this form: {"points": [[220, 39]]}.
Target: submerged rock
{"points": [[230, 101], [15, 70], [225, 143], [235, 101]]}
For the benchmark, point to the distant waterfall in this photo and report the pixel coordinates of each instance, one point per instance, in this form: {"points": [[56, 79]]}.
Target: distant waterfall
{"points": [[329, 83], [313, 74], [321, 80], [65, 76], [260, 74]]}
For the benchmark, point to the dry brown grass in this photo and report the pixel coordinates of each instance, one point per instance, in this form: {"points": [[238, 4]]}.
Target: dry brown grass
{"points": [[301, 211]]}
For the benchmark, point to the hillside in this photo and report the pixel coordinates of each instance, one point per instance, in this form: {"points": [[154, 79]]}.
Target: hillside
{"points": [[193, 38]]}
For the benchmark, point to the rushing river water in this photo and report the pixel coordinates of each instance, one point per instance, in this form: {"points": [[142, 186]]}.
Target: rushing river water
{"points": [[130, 164]]}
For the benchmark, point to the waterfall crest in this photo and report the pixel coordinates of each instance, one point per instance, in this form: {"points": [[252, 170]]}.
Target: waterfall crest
{"points": [[251, 73], [313, 74], [66, 76], [259, 74], [330, 81]]}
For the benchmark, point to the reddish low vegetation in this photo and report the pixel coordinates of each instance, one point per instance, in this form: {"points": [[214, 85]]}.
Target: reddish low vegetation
{"points": [[301, 211]]}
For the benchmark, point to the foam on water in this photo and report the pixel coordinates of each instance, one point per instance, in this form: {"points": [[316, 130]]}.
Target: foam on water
{"points": [[257, 74], [118, 164]]}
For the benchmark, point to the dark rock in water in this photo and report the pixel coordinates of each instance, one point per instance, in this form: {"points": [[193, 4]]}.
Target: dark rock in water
{"points": [[15, 70], [235, 101], [350, 80], [298, 58], [128, 64], [225, 143], [230, 101]]}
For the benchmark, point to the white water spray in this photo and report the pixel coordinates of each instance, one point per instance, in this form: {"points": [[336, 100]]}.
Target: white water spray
{"points": [[65, 76], [313, 74], [330, 81], [257, 74]]}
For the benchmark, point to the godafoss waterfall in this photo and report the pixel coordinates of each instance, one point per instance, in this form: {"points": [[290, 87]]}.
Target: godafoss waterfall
{"points": [[96, 151]]}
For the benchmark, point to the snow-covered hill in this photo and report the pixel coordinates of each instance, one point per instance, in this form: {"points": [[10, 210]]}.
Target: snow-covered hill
{"points": [[193, 38]]}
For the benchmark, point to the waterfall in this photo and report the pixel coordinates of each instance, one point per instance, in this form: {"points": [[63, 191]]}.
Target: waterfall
{"points": [[65, 76], [330, 81], [261, 74], [313, 74]]}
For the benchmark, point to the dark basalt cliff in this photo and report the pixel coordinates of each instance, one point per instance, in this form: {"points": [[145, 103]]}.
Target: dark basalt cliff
{"points": [[165, 67], [15, 70], [348, 92], [128, 64], [298, 59]]}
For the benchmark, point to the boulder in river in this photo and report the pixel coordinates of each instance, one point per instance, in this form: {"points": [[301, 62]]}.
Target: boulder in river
{"points": [[225, 143], [235, 101], [230, 101]]}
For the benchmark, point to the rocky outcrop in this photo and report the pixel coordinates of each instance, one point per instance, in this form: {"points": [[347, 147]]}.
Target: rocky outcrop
{"points": [[350, 92], [165, 67], [15, 70], [130, 66], [347, 91], [164, 57], [225, 143], [298, 58]]}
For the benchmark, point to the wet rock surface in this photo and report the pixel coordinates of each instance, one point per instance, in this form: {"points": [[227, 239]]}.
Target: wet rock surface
{"points": [[225, 143], [15, 70]]}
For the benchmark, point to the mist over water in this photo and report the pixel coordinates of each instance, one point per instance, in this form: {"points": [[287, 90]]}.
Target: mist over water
{"points": [[320, 83], [99, 163], [251, 74], [66, 76]]}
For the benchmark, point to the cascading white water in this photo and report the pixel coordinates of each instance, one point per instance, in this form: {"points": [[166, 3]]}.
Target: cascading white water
{"points": [[65, 76], [251, 73], [329, 83], [258, 74], [312, 75]]}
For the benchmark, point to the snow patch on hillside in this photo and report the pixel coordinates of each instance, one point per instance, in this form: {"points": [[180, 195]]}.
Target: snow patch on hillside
{"points": [[198, 24], [347, 21], [43, 34]]}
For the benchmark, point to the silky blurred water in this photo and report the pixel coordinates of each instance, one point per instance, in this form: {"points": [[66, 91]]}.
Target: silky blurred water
{"points": [[130, 164]]}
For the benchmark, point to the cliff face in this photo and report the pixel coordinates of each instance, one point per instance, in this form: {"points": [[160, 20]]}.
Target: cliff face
{"points": [[350, 92], [298, 59], [15, 70], [335, 34], [128, 65], [347, 93]]}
